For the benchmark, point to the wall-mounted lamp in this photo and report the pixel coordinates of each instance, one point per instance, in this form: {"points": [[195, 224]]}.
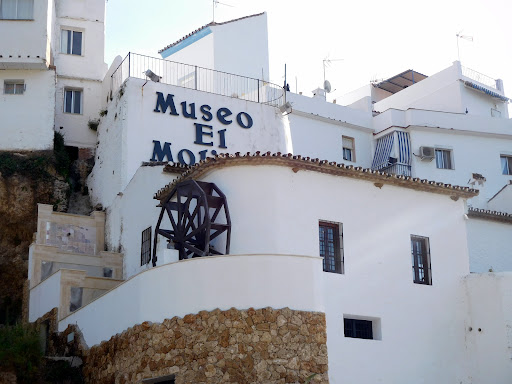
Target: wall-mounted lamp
{"points": [[152, 76], [286, 108]]}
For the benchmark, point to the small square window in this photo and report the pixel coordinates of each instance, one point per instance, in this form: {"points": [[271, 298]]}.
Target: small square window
{"points": [[145, 248], [16, 9], [506, 165], [357, 328], [444, 159], [71, 42], [349, 153], [14, 87], [420, 252], [73, 101], [331, 246]]}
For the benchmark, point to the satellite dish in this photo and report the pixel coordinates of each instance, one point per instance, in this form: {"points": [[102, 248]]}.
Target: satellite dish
{"points": [[327, 86]]}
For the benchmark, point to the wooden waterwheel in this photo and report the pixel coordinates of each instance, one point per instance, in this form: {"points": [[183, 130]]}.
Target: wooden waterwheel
{"points": [[198, 213]]}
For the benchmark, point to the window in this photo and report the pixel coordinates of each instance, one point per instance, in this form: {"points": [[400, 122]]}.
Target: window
{"points": [[14, 87], [506, 165], [73, 101], [348, 148], [145, 248], [17, 9], [444, 159], [160, 380], [331, 246], [357, 328], [420, 252], [71, 42]]}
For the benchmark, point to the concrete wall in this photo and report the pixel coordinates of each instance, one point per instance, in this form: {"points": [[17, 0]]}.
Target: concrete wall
{"points": [[28, 119], [200, 53], [44, 297], [121, 150], [202, 284], [470, 154], [30, 39], [241, 47], [488, 336], [489, 245]]}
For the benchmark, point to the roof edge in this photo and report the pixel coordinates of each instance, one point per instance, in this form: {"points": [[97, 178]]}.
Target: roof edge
{"points": [[297, 162]]}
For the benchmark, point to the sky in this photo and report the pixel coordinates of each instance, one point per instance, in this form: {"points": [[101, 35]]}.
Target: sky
{"points": [[372, 39]]}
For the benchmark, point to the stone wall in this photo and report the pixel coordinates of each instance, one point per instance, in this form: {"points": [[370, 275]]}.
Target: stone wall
{"points": [[234, 346]]}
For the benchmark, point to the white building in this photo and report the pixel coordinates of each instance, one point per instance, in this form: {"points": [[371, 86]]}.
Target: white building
{"points": [[316, 183], [51, 78]]}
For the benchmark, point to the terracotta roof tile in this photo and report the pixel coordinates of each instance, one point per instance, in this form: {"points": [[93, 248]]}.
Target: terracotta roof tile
{"points": [[297, 163], [490, 215]]}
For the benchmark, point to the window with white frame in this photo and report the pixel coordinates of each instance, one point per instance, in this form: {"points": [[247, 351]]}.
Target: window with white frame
{"points": [[420, 252], [348, 148], [16, 9], [506, 164], [14, 87], [331, 246], [73, 100], [71, 42], [444, 159]]}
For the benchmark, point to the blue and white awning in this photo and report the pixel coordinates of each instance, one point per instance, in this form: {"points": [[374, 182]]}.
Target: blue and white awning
{"points": [[487, 91], [404, 145], [383, 151]]}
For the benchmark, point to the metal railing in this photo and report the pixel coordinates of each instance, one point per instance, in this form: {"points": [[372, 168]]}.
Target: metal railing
{"points": [[198, 78], [397, 169], [480, 77]]}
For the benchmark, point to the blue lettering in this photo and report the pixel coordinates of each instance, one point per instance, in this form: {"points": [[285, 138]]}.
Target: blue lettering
{"points": [[160, 154], [222, 113], [207, 115], [241, 122], [192, 113], [168, 102], [222, 134], [200, 133], [192, 158]]}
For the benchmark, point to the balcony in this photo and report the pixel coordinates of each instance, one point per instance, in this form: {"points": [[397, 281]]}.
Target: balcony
{"points": [[397, 169], [194, 77]]}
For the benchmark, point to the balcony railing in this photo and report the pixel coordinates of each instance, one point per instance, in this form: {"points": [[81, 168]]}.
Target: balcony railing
{"points": [[198, 78], [397, 169], [480, 77]]}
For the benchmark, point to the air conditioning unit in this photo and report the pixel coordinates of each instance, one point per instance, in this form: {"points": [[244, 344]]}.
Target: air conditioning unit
{"points": [[427, 153]]}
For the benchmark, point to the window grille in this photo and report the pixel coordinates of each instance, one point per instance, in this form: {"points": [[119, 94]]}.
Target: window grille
{"points": [[145, 248], [360, 329], [331, 243], [420, 252]]}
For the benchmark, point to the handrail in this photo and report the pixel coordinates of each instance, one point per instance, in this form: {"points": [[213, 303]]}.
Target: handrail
{"points": [[198, 78]]}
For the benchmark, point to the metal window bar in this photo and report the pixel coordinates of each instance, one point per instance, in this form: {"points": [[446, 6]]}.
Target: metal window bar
{"points": [[198, 78], [360, 329], [420, 260], [145, 248], [398, 169], [330, 240]]}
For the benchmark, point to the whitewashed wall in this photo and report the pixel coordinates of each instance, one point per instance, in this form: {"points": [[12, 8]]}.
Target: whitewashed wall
{"points": [[199, 53], [28, 119], [471, 153], [490, 248], [44, 297], [502, 202], [74, 126], [223, 282], [439, 92], [132, 212], [132, 143], [489, 342], [241, 47], [274, 210], [36, 42]]}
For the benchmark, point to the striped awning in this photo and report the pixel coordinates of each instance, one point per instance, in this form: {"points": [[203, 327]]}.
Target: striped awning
{"points": [[487, 91], [383, 151], [404, 145]]}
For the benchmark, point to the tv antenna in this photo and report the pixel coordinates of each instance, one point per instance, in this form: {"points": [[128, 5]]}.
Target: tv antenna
{"points": [[215, 2], [465, 37], [327, 63]]}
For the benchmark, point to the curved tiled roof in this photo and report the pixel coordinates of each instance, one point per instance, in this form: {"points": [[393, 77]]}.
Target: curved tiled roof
{"points": [[490, 215], [205, 26], [297, 163]]}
